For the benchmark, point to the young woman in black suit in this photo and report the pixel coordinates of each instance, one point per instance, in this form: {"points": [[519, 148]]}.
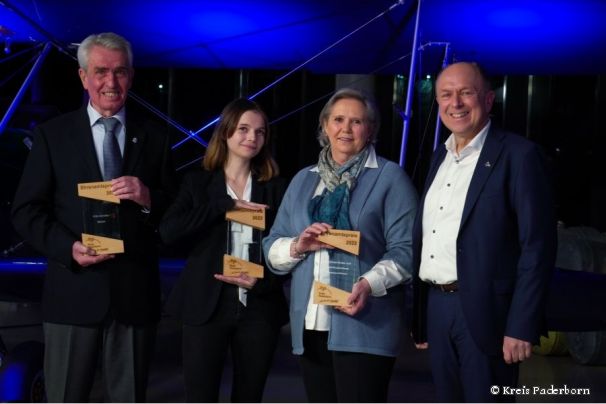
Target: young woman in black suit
{"points": [[221, 313]]}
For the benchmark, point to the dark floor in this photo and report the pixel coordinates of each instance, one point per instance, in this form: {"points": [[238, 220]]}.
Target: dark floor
{"points": [[411, 381]]}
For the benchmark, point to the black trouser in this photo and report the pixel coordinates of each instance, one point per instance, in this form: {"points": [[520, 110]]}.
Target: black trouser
{"points": [[252, 341], [335, 376]]}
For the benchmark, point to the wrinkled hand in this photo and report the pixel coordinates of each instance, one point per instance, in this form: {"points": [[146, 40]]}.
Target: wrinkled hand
{"points": [[240, 204], [516, 350], [308, 239], [243, 280], [87, 256], [129, 187], [358, 298]]}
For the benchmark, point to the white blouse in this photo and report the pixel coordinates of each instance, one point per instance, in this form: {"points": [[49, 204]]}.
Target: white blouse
{"points": [[241, 234]]}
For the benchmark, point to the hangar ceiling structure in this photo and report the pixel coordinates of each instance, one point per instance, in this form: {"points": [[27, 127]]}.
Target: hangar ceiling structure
{"points": [[506, 36]]}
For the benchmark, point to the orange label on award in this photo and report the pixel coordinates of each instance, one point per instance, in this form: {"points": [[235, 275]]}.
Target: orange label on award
{"points": [[329, 295], [101, 191], [103, 245], [253, 218], [233, 266], [346, 240]]}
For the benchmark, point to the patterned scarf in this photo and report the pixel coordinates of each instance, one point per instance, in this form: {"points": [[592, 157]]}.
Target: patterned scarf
{"points": [[332, 207]]}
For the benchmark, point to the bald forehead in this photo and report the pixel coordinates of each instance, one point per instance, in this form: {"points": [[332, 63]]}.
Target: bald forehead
{"points": [[462, 72]]}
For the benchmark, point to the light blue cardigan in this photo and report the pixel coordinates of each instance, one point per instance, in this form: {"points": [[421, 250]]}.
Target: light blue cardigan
{"points": [[382, 207]]}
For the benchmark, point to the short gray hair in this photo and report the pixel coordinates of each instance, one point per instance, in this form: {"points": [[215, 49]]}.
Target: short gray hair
{"points": [[107, 40], [372, 113]]}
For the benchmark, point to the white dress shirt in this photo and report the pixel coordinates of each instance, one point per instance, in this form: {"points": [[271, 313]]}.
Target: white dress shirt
{"points": [[241, 234], [443, 210], [384, 275]]}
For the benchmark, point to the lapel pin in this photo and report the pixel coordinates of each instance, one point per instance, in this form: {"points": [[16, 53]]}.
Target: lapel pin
{"points": [[487, 164], [135, 140]]}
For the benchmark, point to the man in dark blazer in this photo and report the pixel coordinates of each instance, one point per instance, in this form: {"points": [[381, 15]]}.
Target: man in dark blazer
{"points": [[484, 246], [96, 303]]}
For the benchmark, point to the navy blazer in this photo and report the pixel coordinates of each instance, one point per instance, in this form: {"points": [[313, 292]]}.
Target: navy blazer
{"points": [[47, 213], [506, 244]]}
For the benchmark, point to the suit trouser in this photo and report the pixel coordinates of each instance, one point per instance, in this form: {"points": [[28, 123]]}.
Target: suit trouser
{"points": [[250, 337], [461, 371], [71, 354], [335, 376]]}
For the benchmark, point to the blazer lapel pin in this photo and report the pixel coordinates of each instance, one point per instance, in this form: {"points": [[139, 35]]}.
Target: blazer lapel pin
{"points": [[135, 140], [487, 164]]}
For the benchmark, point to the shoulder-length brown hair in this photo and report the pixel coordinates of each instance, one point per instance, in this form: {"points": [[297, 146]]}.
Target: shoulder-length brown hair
{"points": [[263, 165]]}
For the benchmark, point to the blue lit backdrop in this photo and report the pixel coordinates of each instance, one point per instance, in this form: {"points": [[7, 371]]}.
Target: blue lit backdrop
{"points": [[507, 36]]}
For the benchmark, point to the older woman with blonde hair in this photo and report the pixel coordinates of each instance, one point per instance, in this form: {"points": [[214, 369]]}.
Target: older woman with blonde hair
{"points": [[346, 353]]}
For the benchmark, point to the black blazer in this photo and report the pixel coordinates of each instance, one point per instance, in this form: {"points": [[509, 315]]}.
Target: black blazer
{"points": [[47, 213], [197, 218]]}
